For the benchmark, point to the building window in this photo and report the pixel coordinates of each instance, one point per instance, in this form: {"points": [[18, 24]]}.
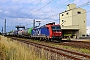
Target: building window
{"points": [[83, 35], [62, 25], [62, 14], [67, 13], [62, 20], [84, 21], [79, 12]]}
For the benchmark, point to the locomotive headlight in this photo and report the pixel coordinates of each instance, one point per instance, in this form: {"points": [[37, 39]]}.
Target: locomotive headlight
{"points": [[60, 32]]}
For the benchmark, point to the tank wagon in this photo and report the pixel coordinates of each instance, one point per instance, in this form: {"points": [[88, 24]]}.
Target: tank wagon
{"points": [[20, 33], [47, 32], [26, 32], [12, 33]]}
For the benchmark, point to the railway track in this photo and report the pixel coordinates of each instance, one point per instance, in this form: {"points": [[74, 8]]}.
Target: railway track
{"points": [[70, 55], [76, 44]]}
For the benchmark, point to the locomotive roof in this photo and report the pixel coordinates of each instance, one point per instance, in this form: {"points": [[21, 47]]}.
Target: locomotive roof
{"points": [[40, 27]]}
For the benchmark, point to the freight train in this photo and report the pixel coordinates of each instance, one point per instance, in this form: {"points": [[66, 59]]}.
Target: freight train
{"points": [[48, 32]]}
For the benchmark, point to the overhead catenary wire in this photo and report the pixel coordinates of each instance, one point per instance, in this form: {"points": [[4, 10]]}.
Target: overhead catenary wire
{"points": [[76, 14], [72, 15], [36, 5], [58, 14], [69, 16], [49, 3], [61, 5], [72, 9], [32, 9], [42, 7], [45, 5], [84, 4], [26, 22]]}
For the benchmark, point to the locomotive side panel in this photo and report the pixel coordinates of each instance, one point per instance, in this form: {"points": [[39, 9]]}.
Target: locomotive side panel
{"points": [[34, 32], [45, 31], [40, 32]]}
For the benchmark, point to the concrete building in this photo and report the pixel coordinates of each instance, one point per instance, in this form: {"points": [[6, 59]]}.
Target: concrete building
{"points": [[73, 21]]}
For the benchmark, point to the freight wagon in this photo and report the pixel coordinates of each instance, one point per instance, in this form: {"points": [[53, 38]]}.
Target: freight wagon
{"points": [[26, 32]]}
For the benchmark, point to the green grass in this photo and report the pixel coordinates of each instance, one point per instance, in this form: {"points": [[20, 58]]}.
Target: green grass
{"points": [[82, 50], [85, 50]]}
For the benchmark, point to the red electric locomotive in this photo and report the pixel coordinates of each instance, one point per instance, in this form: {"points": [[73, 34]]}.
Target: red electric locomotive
{"points": [[55, 31]]}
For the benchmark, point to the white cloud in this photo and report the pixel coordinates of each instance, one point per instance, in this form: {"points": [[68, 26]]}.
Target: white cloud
{"points": [[1, 10], [88, 29], [45, 1], [3, 1], [25, 1], [6, 12], [61, 2]]}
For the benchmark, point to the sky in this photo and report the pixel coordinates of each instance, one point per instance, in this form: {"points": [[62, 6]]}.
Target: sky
{"points": [[88, 30], [23, 12]]}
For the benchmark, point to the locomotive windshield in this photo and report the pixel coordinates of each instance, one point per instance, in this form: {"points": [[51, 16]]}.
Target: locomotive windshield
{"points": [[56, 28]]}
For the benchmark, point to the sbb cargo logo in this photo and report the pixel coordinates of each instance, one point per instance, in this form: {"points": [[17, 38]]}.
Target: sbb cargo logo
{"points": [[36, 32]]}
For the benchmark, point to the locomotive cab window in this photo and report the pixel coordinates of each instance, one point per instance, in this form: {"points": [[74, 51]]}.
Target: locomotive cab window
{"points": [[56, 28]]}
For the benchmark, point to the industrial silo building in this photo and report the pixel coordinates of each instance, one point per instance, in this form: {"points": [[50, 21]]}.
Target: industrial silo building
{"points": [[73, 21]]}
